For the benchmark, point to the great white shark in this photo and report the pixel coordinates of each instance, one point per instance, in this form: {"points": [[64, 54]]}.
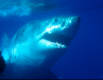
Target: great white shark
{"points": [[37, 45]]}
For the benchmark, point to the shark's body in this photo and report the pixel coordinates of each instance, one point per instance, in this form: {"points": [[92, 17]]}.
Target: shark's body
{"points": [[36, 46]]}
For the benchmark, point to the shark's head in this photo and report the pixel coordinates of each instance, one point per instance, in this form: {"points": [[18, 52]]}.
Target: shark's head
{"points": [[41, 43]]}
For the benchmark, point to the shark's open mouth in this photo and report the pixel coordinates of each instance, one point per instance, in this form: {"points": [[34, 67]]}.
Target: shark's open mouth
{"points": [[56, 33], [57, 38]]}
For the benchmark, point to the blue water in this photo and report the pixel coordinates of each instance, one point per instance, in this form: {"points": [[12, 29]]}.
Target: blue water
{"points": [[85, 53]]}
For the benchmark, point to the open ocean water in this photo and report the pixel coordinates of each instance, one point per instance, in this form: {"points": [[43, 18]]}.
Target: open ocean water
{"points": [[84, 56]]}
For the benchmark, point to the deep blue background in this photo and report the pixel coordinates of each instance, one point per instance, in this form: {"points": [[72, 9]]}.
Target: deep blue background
{"points": [[84, 58]]}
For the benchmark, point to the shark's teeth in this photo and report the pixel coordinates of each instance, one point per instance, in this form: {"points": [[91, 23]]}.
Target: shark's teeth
{"points": [[49, 44]]}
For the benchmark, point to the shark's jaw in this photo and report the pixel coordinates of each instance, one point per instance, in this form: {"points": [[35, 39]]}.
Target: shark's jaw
{"points": [[29, 44]]}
